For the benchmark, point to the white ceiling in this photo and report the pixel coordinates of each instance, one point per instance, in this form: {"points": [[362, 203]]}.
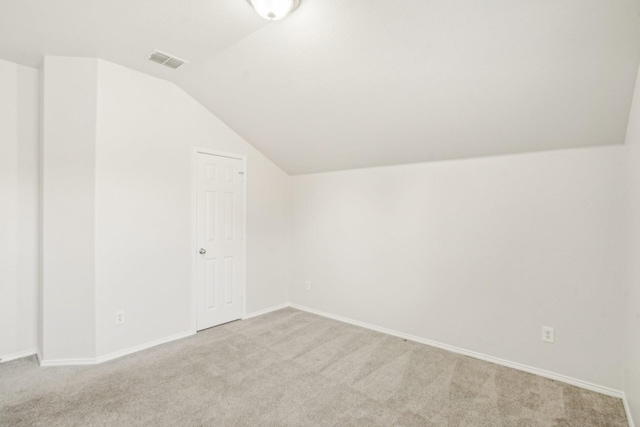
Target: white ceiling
{"points": [[344, 84]]}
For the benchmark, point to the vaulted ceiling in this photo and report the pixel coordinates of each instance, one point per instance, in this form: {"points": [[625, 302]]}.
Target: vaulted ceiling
{"points": [[345, 84]]}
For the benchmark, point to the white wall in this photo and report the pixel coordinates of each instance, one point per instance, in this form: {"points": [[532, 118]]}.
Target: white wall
{"points": [[146, 132], [632, 349], [68, 164], [116, 209], [478, 254], [18, 209]]}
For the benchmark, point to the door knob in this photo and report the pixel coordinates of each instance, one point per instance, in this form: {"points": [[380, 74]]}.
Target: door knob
{"points": [[203, 251]]}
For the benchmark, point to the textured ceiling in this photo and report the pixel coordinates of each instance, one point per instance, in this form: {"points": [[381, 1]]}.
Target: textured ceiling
{"points": [[345, 84]]}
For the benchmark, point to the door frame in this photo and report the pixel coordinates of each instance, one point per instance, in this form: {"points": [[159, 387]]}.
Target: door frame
{"points": [[194, 230]]}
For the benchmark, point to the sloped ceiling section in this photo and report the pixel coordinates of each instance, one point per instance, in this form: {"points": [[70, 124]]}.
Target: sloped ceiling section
{"points": [[347, 84], [123, 31]]}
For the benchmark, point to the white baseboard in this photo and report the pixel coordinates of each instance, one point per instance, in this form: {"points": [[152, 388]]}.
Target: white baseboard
{"points": [[18, 355], [543, 373], [67, 362], [627, 410], [551, 375], [114, 355], [265, 311], [140, 347], [125, 352]]}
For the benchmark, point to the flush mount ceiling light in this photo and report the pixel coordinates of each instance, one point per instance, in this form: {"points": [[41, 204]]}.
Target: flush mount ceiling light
{"points": [[274, 9]]}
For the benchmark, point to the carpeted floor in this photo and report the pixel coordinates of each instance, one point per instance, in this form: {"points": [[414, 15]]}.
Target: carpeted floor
{"points": [[291, 368]]}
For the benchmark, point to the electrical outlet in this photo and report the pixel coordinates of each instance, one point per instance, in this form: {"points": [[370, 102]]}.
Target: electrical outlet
{"points": [[119, 317], [547, 334], [307, 285]]}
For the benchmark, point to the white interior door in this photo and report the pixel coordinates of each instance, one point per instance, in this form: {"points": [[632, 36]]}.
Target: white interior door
{"points": [[219, 235]]}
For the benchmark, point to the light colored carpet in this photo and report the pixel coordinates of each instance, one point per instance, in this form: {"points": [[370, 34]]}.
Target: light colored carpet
{"points": [[291, 368]]}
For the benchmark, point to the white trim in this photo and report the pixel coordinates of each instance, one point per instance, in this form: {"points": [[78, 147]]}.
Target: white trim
{"points": [[219, 153], [541, 372], [141, 347], [18, 355], [627, 410], [194, 241], [551, 375], [265, 311], [116, 354], [194, 230], [67, 362]]}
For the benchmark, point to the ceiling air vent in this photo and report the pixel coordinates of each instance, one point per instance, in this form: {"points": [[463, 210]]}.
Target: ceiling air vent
{"points": [[166, 59]]}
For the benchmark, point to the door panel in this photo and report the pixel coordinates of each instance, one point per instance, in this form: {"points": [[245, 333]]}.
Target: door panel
{"points": [[220, 217]]}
